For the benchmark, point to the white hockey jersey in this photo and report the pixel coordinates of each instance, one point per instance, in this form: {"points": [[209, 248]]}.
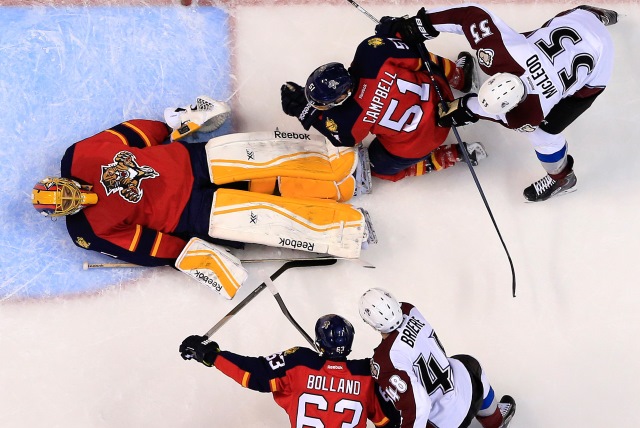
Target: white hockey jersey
{"points": [[413, 372], [571, 55]]}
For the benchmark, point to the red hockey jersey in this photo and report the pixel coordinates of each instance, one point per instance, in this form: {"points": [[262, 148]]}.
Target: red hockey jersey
{"points": [[312, 390]]}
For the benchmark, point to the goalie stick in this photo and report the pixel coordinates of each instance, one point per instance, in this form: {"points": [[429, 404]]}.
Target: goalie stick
{"points": [[364, 263], [276, 294], [424, 55]]}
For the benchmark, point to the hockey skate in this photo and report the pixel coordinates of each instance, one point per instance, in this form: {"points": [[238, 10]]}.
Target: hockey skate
{"points": [[362, 174], [476, 152], [469, 70], [206, 116], [547, 187], [606, 16], [507, 406], [369, 232]]}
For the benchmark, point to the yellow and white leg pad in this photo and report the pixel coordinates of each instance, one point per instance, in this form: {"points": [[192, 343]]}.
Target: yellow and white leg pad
{"points": [[212, 266], [254, 155], [313, 225]]}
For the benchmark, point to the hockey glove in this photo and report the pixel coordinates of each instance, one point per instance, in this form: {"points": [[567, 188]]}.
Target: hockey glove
{"points": [[295, 104], [200, 349], [413, 30], [457, 113]]}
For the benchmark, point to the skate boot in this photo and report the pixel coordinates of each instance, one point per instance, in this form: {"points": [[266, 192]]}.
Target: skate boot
{"points": [[362, 174], [507, 407], [476, 152], [206, 116], [552, 185], [606, 16], [466, 63]]}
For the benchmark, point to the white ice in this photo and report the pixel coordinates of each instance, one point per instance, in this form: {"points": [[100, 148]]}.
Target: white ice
{"points": [[566, 347]]}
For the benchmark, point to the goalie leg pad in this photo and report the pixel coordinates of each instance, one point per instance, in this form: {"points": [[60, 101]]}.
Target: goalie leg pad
{"points": [[212, 266], [240, 157], [312, 225]]}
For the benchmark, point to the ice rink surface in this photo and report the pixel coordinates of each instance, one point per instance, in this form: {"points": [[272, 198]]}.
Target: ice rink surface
{"points": [[96, 349]]}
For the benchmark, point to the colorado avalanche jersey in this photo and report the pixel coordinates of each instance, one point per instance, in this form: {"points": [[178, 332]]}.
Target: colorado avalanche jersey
{"points": [[570, 56], [314, 391], [414, 372], [142, 189], [394, 99]]}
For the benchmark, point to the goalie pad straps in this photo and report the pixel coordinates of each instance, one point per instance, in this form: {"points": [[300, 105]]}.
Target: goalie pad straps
{"points": [[212, 266], [301, 224], [256, 155]]}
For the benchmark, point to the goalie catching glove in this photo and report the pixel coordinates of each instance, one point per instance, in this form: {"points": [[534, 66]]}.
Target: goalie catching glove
{"points": [[294, 103], [457, 113], [207, 116], [199, 348], [212, 266]]}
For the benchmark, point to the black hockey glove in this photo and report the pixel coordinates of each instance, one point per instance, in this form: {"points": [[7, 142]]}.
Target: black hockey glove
{"points": [[457, 113], [295, 104], [200, 349], [415, 29]]}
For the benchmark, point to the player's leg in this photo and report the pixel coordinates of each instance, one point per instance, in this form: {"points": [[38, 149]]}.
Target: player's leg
{"points": [[387, 166], [313, 225], [485, 407]]}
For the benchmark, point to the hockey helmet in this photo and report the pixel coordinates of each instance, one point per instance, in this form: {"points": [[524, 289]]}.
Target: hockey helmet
{"points": [[328, 86], [55, 197], [380, 310], [334, 336], [501, 93]]}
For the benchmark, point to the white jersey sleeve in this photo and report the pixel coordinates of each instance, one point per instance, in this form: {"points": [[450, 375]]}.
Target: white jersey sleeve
{"points": [[571, 55], [414, 372]]}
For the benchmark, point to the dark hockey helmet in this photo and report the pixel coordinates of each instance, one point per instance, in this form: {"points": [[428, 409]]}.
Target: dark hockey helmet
{"points": [[334, 337], [328, 86]]}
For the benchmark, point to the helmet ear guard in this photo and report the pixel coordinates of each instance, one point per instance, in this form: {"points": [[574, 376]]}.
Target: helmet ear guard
{"points": [[501, 93], [328, 86], [56, 197]]}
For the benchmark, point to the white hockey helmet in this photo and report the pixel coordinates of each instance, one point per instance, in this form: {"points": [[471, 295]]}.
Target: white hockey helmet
{"points": [[380, 310], [501, 93]]}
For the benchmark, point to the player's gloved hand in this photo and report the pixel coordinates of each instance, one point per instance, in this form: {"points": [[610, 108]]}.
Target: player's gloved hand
{"points": [[199, 348], [295, 104], [414, 29], [457, 113]]}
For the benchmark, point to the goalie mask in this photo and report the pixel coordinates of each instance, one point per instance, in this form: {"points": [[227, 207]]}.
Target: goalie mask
{"points": [[328, 86], [334, 337], [55, 197]]}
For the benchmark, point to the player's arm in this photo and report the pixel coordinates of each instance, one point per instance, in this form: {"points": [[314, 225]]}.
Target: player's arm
{"points": [[139, 133], [407, 395], [134, 244]]}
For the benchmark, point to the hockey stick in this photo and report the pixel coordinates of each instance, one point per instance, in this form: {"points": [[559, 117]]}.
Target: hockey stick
{"points": [[364, 263], [424, 54], [274, 291], [259, 288]]}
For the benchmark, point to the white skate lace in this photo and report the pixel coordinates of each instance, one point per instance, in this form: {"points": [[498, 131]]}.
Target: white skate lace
{"points": [[543, 184], [504, 408], [461, 62]]}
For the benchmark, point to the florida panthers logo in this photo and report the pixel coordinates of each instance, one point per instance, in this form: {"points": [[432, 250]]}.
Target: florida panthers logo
{"points": [[124, 176]]}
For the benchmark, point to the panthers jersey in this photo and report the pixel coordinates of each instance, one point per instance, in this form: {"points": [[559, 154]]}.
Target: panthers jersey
{"points": [[414, 372], [314, 391], [570, 56], [142, 189], [394, 99]]}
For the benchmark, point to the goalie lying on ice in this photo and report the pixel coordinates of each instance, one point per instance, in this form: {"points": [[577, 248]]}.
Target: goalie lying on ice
{"points": [[132, 193]]}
